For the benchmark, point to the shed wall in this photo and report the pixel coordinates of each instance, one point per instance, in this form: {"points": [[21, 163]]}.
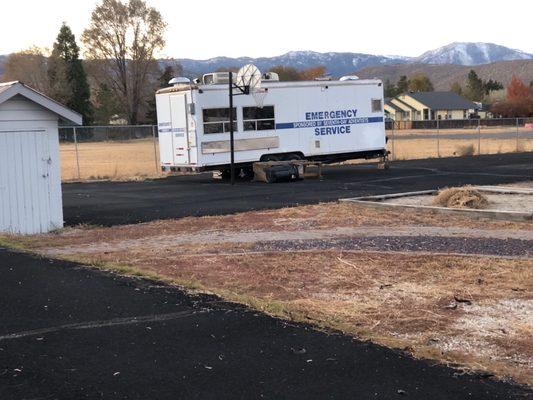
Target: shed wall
{"points": [[30, 182]]}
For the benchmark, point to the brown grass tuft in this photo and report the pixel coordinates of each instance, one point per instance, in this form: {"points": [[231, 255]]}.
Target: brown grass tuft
{"points": [[464, 197]]}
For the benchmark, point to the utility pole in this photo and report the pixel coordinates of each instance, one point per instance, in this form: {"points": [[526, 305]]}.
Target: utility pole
{"points": [[231, 138]]}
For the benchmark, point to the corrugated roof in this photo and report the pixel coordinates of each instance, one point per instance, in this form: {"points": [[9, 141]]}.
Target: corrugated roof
{"points": [[442, 100]]}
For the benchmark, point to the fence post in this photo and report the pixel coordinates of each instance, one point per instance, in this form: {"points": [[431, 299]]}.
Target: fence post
{"points": [[438, 139], [77, 153], [154, 139], [392, 138], [517, 136], [479, 136]]}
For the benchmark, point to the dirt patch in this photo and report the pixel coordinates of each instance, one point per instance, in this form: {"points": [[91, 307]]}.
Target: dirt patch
{"points": [[464, 197], [429, 305], [425, 303]]}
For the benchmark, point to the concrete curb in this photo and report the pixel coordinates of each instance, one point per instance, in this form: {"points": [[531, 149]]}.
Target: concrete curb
{"points": [[377, 202]]}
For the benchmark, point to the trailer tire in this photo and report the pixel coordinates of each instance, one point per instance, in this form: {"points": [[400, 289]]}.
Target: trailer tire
{"points": [[292, 157], [270, 157], [225, 174]]}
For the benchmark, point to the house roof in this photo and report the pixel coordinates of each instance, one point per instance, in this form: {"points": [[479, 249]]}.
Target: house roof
{"points": [[403, 103], [392, 105], [442, 100], [11, 89]]}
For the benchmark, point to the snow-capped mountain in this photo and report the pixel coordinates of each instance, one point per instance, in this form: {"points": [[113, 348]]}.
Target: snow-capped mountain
{"points": [[336, 63], [467, 53]]}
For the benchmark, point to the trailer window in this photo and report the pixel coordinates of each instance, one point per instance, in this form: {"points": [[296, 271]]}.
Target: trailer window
{"points": [[216, 120], [258, 119], [376, 105]]}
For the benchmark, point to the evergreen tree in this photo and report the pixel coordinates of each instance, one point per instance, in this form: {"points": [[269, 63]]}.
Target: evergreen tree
{"points": [[403, 85], [166, 75], [68, 80], [390, 89], [475, 90], [491, 86]]}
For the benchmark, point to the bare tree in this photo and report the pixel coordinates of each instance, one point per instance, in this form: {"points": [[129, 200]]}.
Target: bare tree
{"points": [[123, 38], [28, 66]]}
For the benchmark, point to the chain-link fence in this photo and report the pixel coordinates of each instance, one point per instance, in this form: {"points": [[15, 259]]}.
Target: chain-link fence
{"points": [[129, 152], [109, 152], [448, 138]]}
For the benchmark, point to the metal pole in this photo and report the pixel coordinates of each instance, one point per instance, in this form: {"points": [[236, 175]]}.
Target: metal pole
{"points": [[517, 135], [155, 148], [392, 137], [77, 154], [231, 141], [479, 136], [438, 140]]}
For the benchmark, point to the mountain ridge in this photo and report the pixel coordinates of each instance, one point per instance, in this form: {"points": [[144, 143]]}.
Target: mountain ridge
{"points": [[344, 63]]}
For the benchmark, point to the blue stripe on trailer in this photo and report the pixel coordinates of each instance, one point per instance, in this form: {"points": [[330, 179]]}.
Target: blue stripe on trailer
{"points": [[328, 122]]}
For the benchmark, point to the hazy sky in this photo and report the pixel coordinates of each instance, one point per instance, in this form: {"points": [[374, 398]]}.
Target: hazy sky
{"points": [[201, 29]]}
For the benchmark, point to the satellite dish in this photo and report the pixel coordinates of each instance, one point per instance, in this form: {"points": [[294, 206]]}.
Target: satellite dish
{"points": [[249, 77]]}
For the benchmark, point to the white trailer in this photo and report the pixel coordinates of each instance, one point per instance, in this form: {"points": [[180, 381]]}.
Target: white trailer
{"points": [[323, 120]]}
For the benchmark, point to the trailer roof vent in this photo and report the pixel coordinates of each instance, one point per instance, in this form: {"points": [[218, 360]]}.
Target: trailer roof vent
{"points": [[215, 78], [349, 78], [180, 80]]}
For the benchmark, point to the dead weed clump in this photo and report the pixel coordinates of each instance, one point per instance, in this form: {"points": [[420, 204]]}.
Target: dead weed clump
{"points": [[464, 197], [466, 150]]}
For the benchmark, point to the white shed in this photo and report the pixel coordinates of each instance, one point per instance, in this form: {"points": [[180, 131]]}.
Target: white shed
{"points": [[30, 175]]}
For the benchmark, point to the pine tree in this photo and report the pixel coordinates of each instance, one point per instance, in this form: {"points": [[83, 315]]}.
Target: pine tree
{"points": [[389, 89], [402, 85], [68, 80], [166, 75], [475, 90]]}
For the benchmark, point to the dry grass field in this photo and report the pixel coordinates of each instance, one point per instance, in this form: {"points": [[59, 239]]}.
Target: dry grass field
{"points": [[136, 159], [110, 160], [473, 311]]}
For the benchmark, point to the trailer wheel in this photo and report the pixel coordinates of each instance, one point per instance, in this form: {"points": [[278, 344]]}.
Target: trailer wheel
{"points": [[270, 157], [225, 174], [292, 156]]}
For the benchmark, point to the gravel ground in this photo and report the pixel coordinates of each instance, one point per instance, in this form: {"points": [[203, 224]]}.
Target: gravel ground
{"points": [[485, 246]]}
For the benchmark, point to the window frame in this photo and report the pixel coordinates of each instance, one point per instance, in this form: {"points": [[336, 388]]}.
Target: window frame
{"points": [[373, 102], [256, 120], [224, 123]]}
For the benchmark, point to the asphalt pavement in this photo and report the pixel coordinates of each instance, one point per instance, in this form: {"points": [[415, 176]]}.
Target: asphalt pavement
{"points": [[71, 332], [114, 203]]}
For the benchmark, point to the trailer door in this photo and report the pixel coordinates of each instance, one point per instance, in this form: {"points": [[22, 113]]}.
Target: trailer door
{"points": [[180, 132]]}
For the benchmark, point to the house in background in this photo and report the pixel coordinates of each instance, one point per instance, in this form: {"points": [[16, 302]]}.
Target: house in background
{"points": [[425, 106]]}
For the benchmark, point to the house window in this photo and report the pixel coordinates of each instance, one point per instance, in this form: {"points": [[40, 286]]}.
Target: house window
{"points": [[258, 119], [426, 114], [216, 120], [376, 105]]}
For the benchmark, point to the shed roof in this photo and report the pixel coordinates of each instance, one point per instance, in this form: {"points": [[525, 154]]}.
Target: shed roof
{"points": [[10, 89], [442, 100]]}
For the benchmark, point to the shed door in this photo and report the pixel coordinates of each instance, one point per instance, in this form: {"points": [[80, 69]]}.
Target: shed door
{"points": [[180, 132], [25, 181]]}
